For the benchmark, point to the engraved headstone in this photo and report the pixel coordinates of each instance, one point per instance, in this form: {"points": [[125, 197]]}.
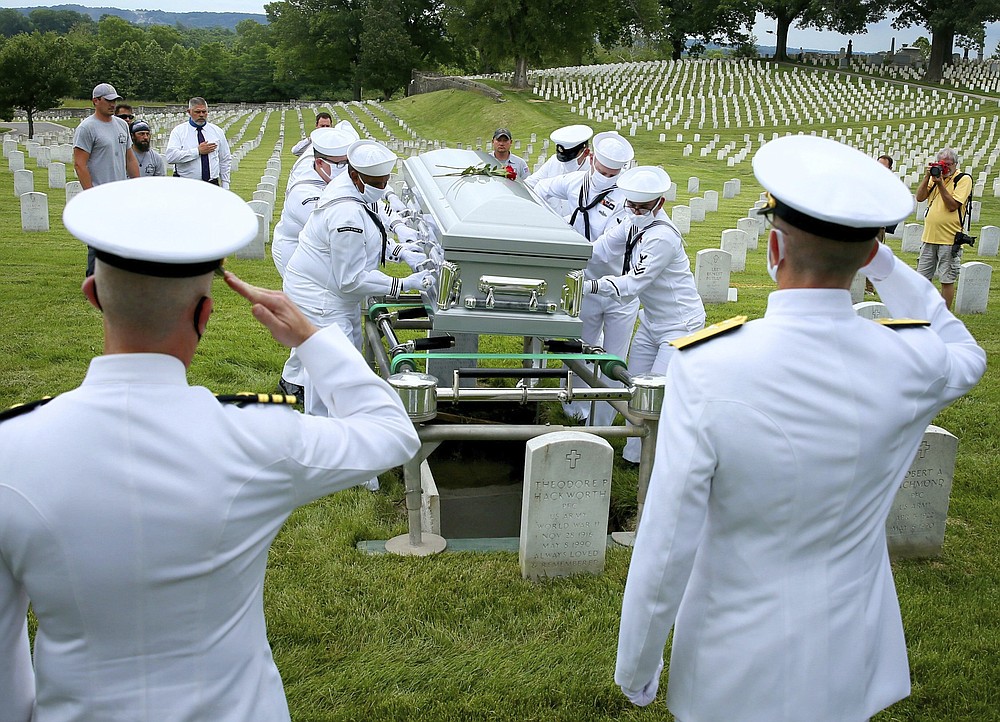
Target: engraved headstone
{"points": [[565, 503], [15, 161], [912, 233], [24, 182], [973, 287], [9, 146], [711, 201], [72, 189], [693, 184], [871, 309], [989, 240], [671, 193], [57, 175], [681, 216], [734, 241], [697, 206], [34, 212], [858, 288], [711, 275], [750, 227], [729, 189], [43, 156], [255, 248], [916, 523]]}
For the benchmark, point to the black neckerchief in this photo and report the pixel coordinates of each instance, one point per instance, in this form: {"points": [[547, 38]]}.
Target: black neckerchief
{"points": [[634, 236], [586, 207]]}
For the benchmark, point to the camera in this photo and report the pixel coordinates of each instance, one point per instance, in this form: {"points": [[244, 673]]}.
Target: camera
{"points": [[961, 239], [937, 168]]}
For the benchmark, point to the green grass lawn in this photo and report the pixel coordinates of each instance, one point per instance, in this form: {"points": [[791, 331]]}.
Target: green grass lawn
{"points": [[461, 636]]}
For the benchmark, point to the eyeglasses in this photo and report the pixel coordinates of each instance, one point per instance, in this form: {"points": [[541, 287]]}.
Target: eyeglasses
{"points": [[639, 210], [126, 117]]}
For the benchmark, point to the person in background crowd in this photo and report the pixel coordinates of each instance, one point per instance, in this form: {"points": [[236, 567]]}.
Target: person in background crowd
{"points": [[199, 149], [782, 444], [150, 162], [501, 152], [140, 537], [946, 192], [323, 120], [102, 152], [124, 111]]}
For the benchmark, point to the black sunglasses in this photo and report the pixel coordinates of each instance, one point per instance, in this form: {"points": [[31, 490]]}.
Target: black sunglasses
{"points": [[126, 117]]}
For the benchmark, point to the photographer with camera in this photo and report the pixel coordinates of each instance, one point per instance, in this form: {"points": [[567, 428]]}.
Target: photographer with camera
{"points": [[946, 192]]}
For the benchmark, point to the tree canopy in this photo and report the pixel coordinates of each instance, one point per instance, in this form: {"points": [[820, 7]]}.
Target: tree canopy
{"points": [[34, 74]]}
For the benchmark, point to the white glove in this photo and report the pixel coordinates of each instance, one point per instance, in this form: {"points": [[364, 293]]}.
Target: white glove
{"points": [[647, 694], [601, 287], [420, 281], [404, 233], [879, 268], [413, 258]]}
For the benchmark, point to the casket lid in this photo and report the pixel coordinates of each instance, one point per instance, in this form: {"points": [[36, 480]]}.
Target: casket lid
{"points": [[488, 214]]}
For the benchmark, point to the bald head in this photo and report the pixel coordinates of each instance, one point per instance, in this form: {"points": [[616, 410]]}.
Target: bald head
{"points": [[814, 261]]}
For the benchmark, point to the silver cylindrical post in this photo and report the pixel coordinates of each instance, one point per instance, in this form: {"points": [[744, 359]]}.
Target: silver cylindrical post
{"points": [[414, 543]]}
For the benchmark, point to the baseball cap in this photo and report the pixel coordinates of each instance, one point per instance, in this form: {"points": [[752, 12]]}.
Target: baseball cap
{"points": [[106, 91], [500, 132]]}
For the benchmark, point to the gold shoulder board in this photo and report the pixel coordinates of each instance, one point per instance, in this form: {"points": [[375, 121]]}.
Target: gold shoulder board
{"points": [[245, 397], [709, 332], [902, 322], [18, 409]]}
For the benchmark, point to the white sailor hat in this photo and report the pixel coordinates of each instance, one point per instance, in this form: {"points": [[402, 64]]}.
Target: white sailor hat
{"points": [[829, 189], [371, 158], [180, 227], [345, 125], [644, 183], [612, 150], [330, 141], [570, 140]]}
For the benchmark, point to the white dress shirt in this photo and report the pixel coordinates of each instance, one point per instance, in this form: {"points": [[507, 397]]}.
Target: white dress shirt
{"points": [[182, 152], [136, 513]]}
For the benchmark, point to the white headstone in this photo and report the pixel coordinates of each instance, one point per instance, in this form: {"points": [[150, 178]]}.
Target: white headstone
{"points": [[255, 248], [697, 206], [734, 242], [912, 232], [9, 146], [858, 288], [43, 156], [565, 503], [750, 227], [57, 175], [989, 240], [15, 161], [693, 184], [34, 212], [977, 209], [711, 201], [681, 216], [711, 275], [72, 189], [871, 309], [973, 287], [729, 189], [916, 523], [671, 194], [24, 182]]}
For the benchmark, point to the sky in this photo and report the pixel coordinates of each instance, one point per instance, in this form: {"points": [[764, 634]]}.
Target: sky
{"points": [[878, 37]]}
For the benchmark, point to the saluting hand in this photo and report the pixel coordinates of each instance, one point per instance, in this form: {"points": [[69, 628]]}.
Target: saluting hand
{"points": [[275, 311]]}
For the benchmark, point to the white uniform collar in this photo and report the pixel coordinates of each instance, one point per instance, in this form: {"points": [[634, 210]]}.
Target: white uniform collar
{"points": [[136, 368], [810, 302]]}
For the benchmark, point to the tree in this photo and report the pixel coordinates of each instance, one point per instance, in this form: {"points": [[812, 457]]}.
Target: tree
{"points": [[843, 16], [705, 21], [14, 22], [34, 74], [945, 20], [387, 55], [525, 31], [46, 20]]}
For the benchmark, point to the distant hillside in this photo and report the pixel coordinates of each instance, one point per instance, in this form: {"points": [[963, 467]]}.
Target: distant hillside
{"points": [[162, 17]]}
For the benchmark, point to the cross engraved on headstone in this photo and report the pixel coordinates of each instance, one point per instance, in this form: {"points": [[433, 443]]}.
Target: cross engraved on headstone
{"points": [[572, 457]]}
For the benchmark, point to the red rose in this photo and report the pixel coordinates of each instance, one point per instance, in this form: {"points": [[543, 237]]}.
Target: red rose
{"points": [[511, 173]]}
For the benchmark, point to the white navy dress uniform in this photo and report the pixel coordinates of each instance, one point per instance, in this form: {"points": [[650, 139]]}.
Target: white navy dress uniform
{"points": [[303, 164], [140, 536], [336, 264], [598, 204], [781, 447], [652, 265], [571, 143]]}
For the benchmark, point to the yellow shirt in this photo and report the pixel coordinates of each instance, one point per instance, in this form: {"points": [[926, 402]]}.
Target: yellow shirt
{"points": [[940, 224]]}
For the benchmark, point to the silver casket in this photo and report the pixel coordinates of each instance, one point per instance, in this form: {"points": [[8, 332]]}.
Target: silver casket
{"points": [[511, 265]]}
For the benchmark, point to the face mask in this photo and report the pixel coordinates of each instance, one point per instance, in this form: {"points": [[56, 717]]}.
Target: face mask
{"points": [[600, 182], [640, 222], [772, 265], [371, 194]]}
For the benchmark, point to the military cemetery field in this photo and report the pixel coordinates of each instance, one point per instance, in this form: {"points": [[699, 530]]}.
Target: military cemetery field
{"points": [[460, 636]]}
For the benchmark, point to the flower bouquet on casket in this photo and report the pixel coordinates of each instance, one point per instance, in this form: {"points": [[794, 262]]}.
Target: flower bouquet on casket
{"points": [[486, 169]]}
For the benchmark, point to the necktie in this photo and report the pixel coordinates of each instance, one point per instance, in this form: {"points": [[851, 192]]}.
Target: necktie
{"points": [[206, 174]]}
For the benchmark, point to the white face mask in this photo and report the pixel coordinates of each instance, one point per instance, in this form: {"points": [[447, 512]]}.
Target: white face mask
{"points": [[371, 194], [772, 264], [640, 222], [600, 182]]}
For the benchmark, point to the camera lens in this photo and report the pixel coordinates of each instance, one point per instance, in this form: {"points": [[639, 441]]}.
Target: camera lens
{"points": [[936, 171]]}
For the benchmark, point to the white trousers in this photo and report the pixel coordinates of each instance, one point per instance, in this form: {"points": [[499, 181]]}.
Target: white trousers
{"points": [[609, 323], [651, 354]]}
